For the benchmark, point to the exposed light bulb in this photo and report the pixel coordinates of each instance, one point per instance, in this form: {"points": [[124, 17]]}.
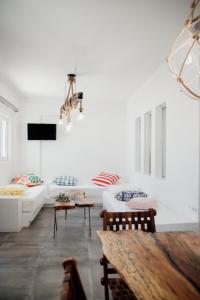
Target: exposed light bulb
{"points": [[60, 122], [80, 116], [69, 126], [189, 59]]}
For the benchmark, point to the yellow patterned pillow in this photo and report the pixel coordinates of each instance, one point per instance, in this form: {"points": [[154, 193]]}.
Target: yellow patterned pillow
{"points": [[12, 190]]}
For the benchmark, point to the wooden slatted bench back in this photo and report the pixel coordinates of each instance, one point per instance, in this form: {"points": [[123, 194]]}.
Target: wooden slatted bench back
{"points": [[143, 220], [72, 285]]}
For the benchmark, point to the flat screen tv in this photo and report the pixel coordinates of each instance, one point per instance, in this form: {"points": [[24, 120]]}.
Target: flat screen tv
{"points": [[37, 131]]}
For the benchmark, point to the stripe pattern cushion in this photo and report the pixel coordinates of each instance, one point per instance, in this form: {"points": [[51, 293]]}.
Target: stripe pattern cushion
{"points": [[105, 179]]}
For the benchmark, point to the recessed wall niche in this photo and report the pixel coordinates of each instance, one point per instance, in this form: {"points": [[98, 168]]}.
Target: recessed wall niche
{"points": [[138, 144], [160, 167], [147, 142]]}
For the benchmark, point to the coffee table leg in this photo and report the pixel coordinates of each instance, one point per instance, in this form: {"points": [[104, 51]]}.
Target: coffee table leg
{"points": [[56, 222], [55, 227], [84, 213], [89, 221], [65, 214]]}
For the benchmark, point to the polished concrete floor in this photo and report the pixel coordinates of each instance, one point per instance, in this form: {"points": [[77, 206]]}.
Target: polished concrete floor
{"points": [[31, 260]]}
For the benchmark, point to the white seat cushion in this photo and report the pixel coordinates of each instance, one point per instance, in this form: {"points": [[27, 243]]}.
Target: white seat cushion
{"points": [[33, 197]]}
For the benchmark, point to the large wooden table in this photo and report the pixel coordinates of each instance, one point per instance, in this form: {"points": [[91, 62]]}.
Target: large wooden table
{"points": [[159, 266]]}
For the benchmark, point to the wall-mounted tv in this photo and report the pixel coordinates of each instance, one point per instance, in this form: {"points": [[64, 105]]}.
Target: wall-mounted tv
{"points": [[37, 131]]}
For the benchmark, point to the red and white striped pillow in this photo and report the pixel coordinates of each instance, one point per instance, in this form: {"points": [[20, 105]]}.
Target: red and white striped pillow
{"points": [[104, 179]]}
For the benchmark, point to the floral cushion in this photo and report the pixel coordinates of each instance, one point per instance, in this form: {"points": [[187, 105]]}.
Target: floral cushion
{"points": [[127, 195], [28, 180], [65, 180]]}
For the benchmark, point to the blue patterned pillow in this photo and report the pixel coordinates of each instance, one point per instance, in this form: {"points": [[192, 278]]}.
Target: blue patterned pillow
{"points": [[65, 180], [127, 195]]}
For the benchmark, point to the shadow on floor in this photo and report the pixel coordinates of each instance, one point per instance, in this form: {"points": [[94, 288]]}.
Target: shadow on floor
{"points": [[31, 260]]}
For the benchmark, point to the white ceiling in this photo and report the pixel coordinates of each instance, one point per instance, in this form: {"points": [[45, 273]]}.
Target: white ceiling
{"points": [[114, 44]]}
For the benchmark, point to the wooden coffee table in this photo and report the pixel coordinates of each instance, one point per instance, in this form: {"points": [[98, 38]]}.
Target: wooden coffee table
{"points": [[82, 202], [61, 206]]}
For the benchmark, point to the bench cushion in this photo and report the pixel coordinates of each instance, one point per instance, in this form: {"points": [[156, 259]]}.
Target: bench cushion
{"points": [[33, 197]]}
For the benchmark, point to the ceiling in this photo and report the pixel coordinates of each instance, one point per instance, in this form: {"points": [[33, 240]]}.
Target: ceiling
{"points": [[115, 45]]}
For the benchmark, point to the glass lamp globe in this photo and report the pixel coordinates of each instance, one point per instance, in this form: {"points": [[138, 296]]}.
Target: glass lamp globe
{"points": [[60, 122], [69, 126], [80, 116], [184, 59]]}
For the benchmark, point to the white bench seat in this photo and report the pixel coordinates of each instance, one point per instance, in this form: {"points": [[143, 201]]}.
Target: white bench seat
{"points": [[17, 212], [94, 192], [166, 219]]}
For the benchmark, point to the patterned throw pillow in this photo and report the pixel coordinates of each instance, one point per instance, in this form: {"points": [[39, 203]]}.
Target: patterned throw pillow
{"points": [[28, 180], [65, 180], [104, 179], [36, 180], [127, 195]]}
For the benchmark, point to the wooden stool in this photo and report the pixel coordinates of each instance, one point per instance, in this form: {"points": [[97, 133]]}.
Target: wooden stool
{"points": [[85, 203], [61, 206]]}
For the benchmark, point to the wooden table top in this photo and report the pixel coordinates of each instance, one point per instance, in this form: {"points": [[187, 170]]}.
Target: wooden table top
{"points": [[84, 202], [64, 205], [156, 266]]}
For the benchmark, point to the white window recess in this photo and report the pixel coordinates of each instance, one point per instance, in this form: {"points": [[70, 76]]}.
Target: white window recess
{"points": [[138, 144], [3, 138], [160, 167], [8, 104], [147, 143]]}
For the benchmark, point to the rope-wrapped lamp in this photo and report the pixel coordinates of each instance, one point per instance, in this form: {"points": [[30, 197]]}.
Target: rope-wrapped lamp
{"points": [[184, 59], [72, 101]]}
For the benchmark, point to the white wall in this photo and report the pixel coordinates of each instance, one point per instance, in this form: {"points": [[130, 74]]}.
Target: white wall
{"points": [[95, 144], [180, 188], [9, 167]]}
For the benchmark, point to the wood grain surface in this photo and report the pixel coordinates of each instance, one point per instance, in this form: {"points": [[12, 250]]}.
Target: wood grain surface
{"points": [[64, 205], [141, 260], [84, 202], [183, 250]]}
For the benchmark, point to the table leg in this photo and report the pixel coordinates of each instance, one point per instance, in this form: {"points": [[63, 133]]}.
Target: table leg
{"points": [[65, 214], [56, 220], [55, 227], [89, 221], [84, 213]]}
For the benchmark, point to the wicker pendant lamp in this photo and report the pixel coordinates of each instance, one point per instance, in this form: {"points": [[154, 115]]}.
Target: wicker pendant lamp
{"points": [[184, 59]]}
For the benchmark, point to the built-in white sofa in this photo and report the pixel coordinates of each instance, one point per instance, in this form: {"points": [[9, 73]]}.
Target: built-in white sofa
{"points": [[93, 192], [17, 212], [166, 218]]}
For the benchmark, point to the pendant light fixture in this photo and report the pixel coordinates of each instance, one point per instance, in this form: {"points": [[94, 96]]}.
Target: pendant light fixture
{"points": [[73, 101], [184, 59]]}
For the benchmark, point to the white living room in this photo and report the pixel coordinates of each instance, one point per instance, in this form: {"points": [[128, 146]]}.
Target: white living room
{"points": [[99, 149]]}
